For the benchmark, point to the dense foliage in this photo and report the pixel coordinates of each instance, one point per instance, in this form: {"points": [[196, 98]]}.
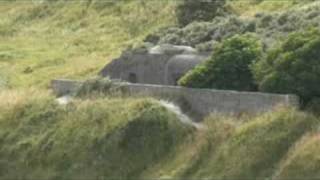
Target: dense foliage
{"points": [[268, 26], [198, 10], [293, 67], [229, 66]]}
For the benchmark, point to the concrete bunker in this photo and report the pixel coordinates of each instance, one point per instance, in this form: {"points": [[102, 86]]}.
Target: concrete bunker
{"points": [[162, 65]]}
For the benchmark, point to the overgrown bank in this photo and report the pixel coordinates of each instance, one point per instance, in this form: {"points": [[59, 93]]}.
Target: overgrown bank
{"points": [[138, 138], [86, 139]]}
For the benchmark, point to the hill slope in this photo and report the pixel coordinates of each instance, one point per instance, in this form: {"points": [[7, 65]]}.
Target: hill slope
{"points": [[125, 137], [42, 40], [108, 137]]}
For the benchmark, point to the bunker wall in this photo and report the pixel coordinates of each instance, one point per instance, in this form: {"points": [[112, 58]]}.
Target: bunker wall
{"points": [[199, 101]]}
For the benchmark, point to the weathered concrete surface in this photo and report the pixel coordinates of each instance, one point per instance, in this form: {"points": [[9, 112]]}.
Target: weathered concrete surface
{"points": [[138, 68], [200, 102], [64, 86], [162, 65], [172, 49]]}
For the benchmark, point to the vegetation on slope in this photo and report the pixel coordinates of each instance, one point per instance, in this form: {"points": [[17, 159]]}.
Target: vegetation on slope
{"points": [[189, 11], [249, 148], [124, 138], [256, 147], [112, 137], [128, 138], [269, 27], [293, 67], [250, 8], [229, 67], [42, 40], [303, 161]]}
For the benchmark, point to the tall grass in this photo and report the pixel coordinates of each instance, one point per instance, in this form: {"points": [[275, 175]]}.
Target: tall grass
{"points": [[303, 160], [86, 139], [250, 148], [125, 138]]}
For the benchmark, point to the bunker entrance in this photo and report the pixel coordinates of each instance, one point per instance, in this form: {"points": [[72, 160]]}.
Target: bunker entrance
{"points": [[132, 78]]}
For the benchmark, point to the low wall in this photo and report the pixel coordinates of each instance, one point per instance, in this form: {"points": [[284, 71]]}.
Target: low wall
{"points": [[199, 101], [64, 86]]}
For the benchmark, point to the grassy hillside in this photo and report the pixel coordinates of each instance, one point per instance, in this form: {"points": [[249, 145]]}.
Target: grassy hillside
{"points": [[42, 40], [122, 137], [127, 138], [303, 161], [87, 139], [250, 8]]}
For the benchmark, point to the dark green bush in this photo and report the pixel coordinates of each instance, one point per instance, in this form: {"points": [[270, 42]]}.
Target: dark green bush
{"points": [[293, 67], [313, 106], [198, 10], [229, 67]]}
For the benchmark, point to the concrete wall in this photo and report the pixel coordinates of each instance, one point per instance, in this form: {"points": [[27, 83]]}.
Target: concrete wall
{"points": [[201, 102], [64, 86]]}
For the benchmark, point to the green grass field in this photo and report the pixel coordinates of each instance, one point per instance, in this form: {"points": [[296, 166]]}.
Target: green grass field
{"points": [[71, 39]]}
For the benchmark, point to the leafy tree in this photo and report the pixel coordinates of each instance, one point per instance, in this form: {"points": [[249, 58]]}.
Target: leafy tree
{"points": [[293, 67], [228, 67], [198, 10]]}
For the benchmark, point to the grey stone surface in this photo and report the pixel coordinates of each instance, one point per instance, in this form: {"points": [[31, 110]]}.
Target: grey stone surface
{"points": [[161, 65], [64, 86], [200, 102], [172, 49]]}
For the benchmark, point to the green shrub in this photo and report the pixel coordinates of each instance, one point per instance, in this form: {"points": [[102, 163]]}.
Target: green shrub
{"points": [[198, 10], [98, 86], [229, 66], [293, 67], [313, 106]]}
